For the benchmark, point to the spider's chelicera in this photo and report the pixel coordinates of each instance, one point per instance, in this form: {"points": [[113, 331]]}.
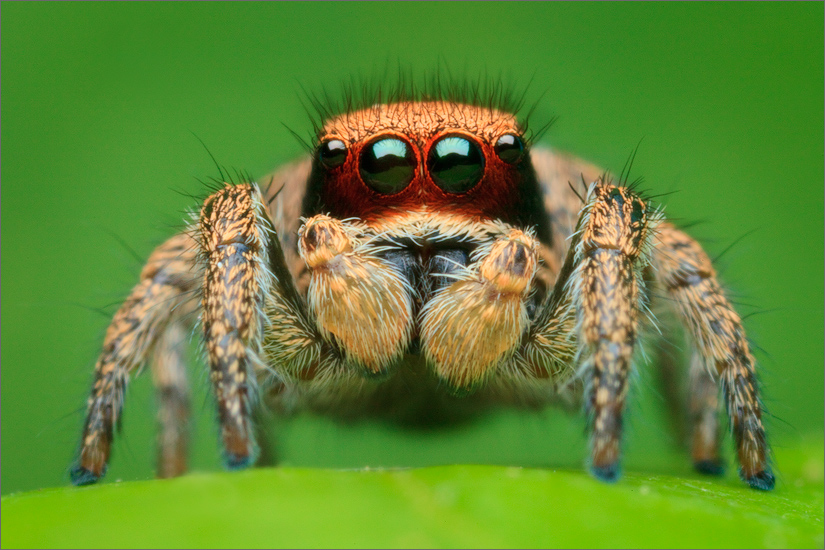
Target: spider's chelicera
{"points": [[422, 256]]}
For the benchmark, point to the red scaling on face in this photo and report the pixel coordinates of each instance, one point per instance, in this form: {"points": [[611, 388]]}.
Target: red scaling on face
{"points": [[423, 157]]}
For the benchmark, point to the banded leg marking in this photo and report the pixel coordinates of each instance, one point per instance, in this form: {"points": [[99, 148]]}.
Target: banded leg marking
{"points": [[686, 272], [159, 298], [234, 236], [172, 389], [608, 293]]}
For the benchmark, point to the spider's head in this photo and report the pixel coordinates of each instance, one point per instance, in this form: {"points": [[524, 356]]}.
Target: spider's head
{"points": [[433, 157]]}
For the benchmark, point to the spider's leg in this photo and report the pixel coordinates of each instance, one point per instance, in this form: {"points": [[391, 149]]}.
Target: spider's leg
{"points": [[235, 240], [592, 316], [704, 418], [257, 325], [172, 388], [474, 323], [608, 293], [361, 302], [685, 270], [254, 319], [161, 300]]}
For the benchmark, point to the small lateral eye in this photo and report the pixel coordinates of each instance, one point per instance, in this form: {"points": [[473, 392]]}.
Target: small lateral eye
{"points": [[510, 148], [456, 164], [332, 153], [387, 165]]}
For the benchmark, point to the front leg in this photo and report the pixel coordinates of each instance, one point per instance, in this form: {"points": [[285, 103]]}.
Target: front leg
{"points": [[256, 322], [614, 239], [235, 234]]}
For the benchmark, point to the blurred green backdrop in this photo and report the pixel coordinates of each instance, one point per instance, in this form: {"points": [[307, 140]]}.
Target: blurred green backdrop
{"points": [[101, 101]]}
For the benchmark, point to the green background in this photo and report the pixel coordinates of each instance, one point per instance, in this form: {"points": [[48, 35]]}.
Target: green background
{"points": [[100, 103]]}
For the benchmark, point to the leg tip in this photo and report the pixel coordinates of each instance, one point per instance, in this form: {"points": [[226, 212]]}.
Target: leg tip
{"points": [[81, 476], [608, 474], [709, 467], [763, 481], [234, 461]]}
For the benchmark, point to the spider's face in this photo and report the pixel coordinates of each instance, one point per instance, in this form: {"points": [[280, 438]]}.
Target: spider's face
{"points": [[421, 157]]}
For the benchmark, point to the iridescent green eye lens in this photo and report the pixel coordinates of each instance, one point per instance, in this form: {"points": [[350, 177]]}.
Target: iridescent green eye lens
{"points": [[510, 148], [333, 153], [388, 165], [456, 164]]}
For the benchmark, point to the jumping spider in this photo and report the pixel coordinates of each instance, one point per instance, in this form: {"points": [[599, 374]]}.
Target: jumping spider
{"points": [[423, 251]]}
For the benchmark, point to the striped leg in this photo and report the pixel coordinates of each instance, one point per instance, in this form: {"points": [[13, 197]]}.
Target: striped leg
{"points": [[358, 312], [234, 236], [686, 272], [161, 298], [704, 419], [608, 292]]}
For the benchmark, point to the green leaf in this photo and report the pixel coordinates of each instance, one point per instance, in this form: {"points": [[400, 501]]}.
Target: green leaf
{"points": [[443, 506]]}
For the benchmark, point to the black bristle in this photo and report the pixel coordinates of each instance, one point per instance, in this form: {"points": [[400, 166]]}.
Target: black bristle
{"points": [[359, 92]]}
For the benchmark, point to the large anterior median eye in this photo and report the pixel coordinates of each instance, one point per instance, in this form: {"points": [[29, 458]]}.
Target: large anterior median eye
{"points": [[456, 164], [387, 165]]}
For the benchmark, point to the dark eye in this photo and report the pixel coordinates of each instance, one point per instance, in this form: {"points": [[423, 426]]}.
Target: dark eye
{"points": [[333, 153], [456, 164], [387, 165], [510, 148]]}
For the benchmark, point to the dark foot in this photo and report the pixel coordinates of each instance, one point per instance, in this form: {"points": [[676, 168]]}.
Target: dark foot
{"points": [[709, 467], [238, 462], [81, 476], [764, 481], [608, 474]]}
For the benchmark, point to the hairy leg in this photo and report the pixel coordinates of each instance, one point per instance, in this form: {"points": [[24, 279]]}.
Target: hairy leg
{"points": [[160, 298], [234, 237], [591, 317], [684, 269], [257, 326], [169, 376], [608, 292], [703, 410]]}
